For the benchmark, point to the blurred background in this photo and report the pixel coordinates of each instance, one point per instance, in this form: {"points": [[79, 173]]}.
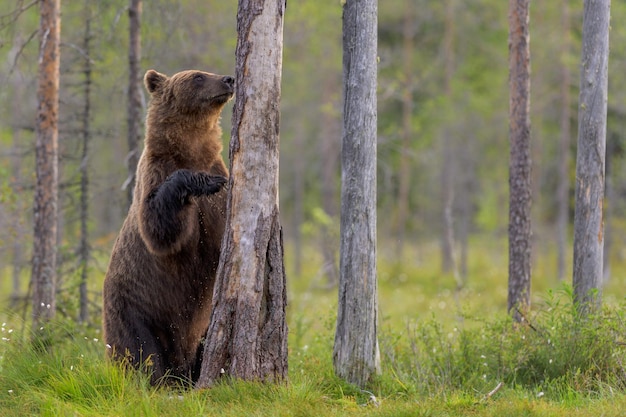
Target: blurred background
{"points": [[443, 145]]}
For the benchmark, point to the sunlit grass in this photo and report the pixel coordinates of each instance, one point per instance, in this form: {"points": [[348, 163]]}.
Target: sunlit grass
{"points": [[443, 351]]}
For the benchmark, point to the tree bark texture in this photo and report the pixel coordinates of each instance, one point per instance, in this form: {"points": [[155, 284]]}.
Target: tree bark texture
{"points": [[591, 153], [134, 96], [520, 162], [46, 154], [247, 337], [356, 354]]}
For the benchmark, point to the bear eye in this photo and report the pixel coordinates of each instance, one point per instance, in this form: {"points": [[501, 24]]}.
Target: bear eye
{"points": [[198, 78]]}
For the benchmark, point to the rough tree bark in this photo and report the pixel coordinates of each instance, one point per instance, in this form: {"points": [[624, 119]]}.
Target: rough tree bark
{"points": [[564, 144], [46, 153], [356, 355], [520, 161], [84, 249], [590, 157], [247, 337], [134, 96]]}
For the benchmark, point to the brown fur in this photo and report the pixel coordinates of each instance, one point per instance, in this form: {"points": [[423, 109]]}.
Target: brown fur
{"points": [[159, 284]]}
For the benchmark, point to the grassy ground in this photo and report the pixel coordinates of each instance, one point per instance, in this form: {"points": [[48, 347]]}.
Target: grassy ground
{"points": [[444, 353]]}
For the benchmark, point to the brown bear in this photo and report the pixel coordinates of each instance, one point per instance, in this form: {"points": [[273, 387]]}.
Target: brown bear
{"points": [[159, 285]]}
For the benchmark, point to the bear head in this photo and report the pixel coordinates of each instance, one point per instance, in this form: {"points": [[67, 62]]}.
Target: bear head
{"points": [[189, 92]]}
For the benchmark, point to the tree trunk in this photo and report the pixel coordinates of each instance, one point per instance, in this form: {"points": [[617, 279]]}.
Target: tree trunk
{"points": [[329, 149], [564, 144], [17, 211], [609, 197], [299, 172], [520, 161], [46, 188], [247, 337], [590, 158], [356, 355], [134, 96], [467, 191], [404, 174], [448, 261], [84, 250]]}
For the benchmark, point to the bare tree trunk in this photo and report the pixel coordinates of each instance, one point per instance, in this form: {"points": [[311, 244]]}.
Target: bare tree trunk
{"points": [[520, 161], [134, 96], [46, 188], [17, 258], [448, 261], [404, 175], [564, 144], [329, 133], [467, 187], [590, 158], [609, 196], [356, 354], [84, 249], [247, 337], [298, 202]]}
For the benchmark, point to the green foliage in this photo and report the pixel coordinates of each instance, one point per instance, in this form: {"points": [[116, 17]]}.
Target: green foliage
{"points": [[442, 352], [556, 353]]}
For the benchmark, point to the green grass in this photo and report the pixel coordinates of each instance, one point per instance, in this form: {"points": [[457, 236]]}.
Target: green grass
{"points": [[443, 352]]}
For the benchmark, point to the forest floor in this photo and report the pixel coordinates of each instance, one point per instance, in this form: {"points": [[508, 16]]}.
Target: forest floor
{"points": [[444, 352]]}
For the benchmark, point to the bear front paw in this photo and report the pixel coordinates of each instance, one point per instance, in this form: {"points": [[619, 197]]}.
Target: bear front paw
{"points": [[211, 184]]}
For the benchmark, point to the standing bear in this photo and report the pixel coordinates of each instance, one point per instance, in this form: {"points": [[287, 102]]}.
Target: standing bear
{"points": [[159, 285]]}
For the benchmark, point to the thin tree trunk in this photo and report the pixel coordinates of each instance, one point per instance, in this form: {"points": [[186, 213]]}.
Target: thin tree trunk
{"points": [[247, 337], [356, 354], [520, 161], [46, 188], [84, 249], [467, 187], [609, 196], [329, 133], [590, 157], [17, 258], [564, 144], [298, 201], [134, 96], [404, 175], [448, 261]]}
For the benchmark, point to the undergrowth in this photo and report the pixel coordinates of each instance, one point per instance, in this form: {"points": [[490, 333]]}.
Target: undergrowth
{"points": [[447, 369], [554, 352]]}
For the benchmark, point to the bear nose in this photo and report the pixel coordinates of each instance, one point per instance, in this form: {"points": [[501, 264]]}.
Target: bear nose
{"points": [[228, 80]]}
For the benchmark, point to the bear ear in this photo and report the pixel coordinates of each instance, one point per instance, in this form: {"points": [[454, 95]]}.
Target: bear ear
{"points": [[154, 80]]}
